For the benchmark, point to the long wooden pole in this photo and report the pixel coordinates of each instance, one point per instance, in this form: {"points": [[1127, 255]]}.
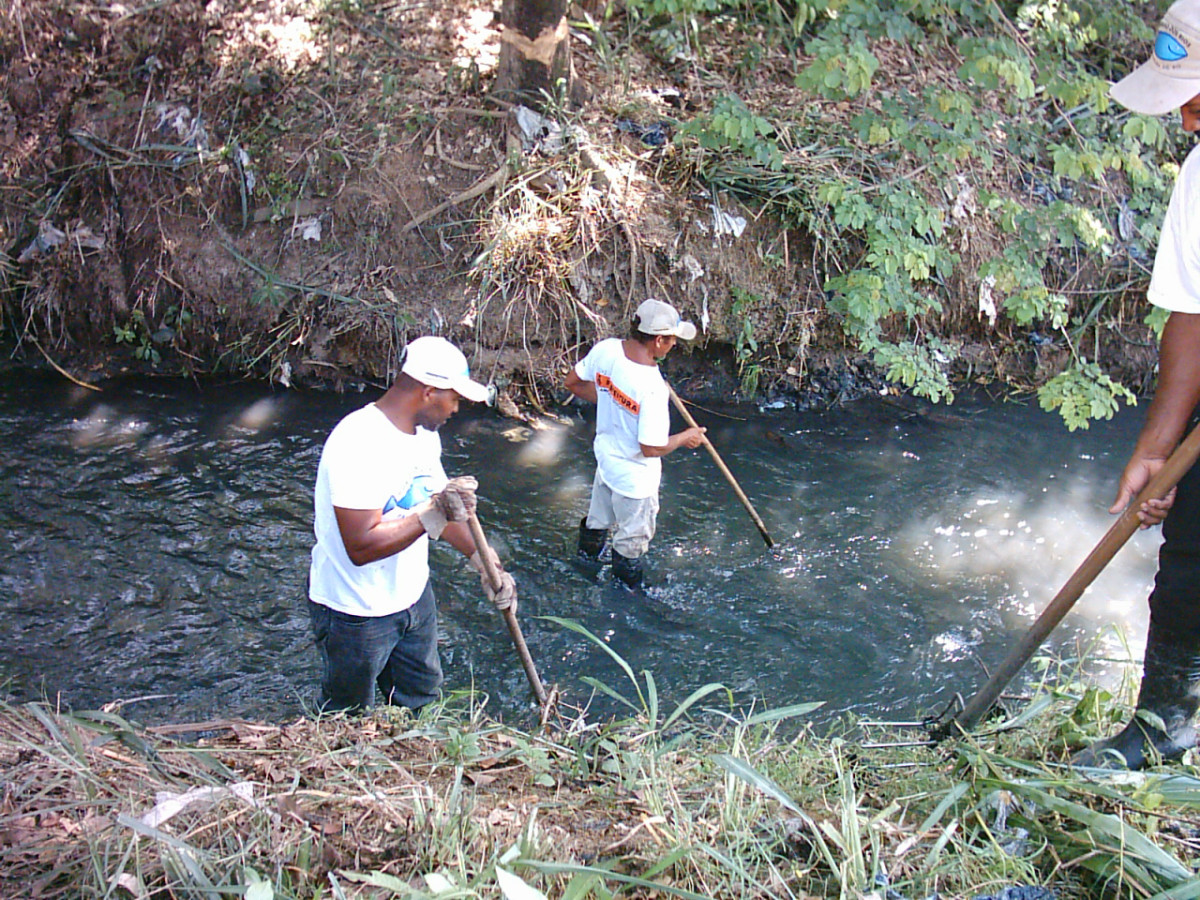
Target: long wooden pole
{"points": [[1126, 524], [510, 617], [737, 488]]}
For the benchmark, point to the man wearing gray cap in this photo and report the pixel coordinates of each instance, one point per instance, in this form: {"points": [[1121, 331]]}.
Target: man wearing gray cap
{"points": [[1162, 726], [381, 496], [633, 423]]}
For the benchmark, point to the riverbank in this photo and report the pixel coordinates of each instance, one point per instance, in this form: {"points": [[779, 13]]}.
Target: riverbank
{"points": [[290, 191], [700, 801], [158, 534]]}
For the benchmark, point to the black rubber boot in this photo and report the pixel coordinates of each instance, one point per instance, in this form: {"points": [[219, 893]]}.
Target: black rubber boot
{"points": [[1171, 691], [591, 541], [627, 571]]}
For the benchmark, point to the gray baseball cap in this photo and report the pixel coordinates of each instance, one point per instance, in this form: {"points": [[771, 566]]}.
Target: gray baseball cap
{"points": [[657, 317]]}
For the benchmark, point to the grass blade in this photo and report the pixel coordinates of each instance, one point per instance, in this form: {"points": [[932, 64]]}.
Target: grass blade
{"points": [[617, 658], [608, 875], [756, 779], [693, 698], [784, 712], [607, 691], [1126, 837]]}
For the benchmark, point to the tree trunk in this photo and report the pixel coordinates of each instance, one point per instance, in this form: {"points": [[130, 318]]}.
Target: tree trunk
{"points": [[535, 52]]}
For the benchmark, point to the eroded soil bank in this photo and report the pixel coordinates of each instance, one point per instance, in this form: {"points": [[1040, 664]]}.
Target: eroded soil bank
{"points": [[291, 192]]}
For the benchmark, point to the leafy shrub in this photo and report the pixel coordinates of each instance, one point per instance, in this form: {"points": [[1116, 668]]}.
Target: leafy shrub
{"points": [[1082, 393], [1066, 191], [918, 367], [838, 72], [731, 127]]}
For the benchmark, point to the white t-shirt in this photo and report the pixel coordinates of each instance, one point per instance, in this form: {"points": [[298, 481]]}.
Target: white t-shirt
{"points": [[369, 463], [1175, 282], [631, 410]]}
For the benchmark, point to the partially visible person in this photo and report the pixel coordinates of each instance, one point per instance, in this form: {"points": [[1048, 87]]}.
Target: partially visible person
{"points": [[1163, 724], [381, 496], [632, 435]]}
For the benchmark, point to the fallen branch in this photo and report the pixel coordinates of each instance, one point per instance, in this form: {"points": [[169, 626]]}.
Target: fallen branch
{"points": [[480, 187], [470, 167], [61, 371]]}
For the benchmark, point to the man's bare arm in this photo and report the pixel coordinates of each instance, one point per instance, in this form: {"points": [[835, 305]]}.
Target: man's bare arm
{"points": [[692, 438], [1177, 395], [584, 390], [368, 538]]}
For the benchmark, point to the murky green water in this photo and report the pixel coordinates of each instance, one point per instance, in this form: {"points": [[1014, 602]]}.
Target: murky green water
{"points": [[157, 538]]}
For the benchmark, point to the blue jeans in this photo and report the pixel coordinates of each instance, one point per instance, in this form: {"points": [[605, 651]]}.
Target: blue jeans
{"points": [[397, 652]]}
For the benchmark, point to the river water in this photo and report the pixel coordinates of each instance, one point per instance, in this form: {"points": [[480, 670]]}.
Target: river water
{"points": [[157, 537]]}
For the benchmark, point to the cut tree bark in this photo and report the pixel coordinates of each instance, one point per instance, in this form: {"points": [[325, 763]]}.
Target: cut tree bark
{"points": [[535, 52]]}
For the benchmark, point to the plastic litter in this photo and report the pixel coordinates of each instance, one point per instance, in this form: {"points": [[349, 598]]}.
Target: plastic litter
{"points": [[724, 223], [1127, 232], [692, 266], [538, 132], [310, 229], [987, 303], [1125, 224], [243, 161], [1040, 340], [1035, 187], [885, 892], [189, 130], [48, 237], [1013, 841], [1138, 255], [964, 202], [656, 135], [169, 804]]}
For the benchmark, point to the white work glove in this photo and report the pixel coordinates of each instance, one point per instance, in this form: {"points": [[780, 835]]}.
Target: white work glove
{"points": [[456, 503], [506, 597]]}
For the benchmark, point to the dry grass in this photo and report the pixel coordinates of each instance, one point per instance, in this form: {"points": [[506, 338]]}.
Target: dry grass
{"points": [[373, 122], [657, 805]]}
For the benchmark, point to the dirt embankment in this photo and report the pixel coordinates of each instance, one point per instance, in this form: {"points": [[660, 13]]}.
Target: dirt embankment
{"points": [[292, 193]]}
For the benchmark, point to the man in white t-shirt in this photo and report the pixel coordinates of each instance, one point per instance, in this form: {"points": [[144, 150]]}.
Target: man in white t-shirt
{"points": [[381, 495], [632, 435], [1170, 688]]}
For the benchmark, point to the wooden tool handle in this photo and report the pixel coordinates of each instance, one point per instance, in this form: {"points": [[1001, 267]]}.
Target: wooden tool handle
{"points": [[1114, 539], [712, 451], [510, 617]]}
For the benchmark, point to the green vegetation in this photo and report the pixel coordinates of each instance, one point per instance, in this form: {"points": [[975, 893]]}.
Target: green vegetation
{"points": [[137, 335], [940, 186], [694, 800], [988, 164], [745, 347]]}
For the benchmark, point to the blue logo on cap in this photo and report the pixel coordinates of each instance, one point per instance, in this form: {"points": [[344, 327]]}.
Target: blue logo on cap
{"points": [[1168, 48]]}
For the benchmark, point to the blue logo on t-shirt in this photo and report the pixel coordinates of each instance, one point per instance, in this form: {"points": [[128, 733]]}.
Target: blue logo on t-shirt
{"points": [[1168, 48], [418, 492]]}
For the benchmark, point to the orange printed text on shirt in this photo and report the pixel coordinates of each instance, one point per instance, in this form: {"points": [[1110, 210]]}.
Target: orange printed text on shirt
{"points": [[622, 399]]}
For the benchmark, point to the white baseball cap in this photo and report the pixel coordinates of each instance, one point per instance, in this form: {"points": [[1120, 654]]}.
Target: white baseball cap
{"points": [[1171, 77], [657, 317], [438, 363]]}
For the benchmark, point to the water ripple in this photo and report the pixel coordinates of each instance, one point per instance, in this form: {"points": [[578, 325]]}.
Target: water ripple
{"points": [[156, 545]]}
